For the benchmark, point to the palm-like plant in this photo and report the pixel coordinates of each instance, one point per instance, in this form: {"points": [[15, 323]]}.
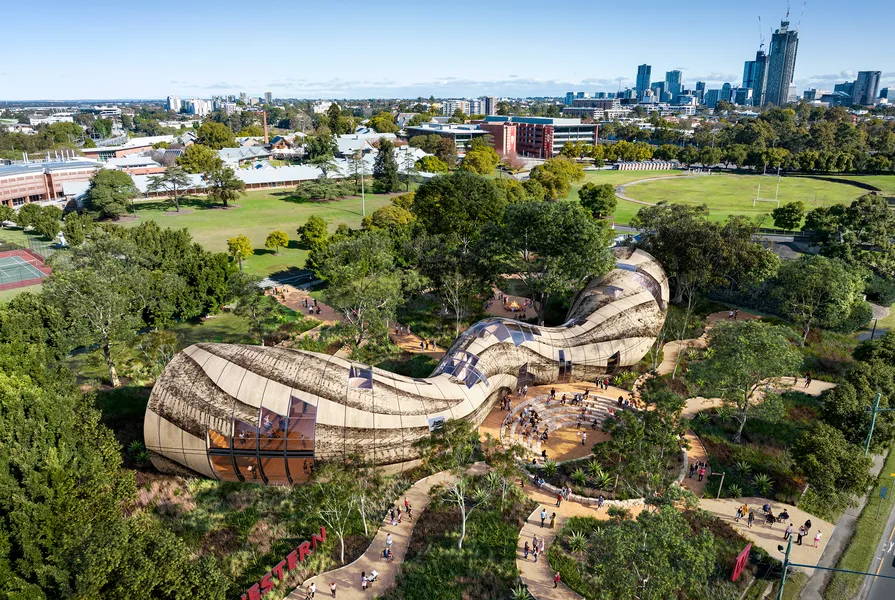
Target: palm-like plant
{"points": [[520, 592], [744, 468], [735, 491], [579, 477], [594, 468], [724, 413], [602, 480], [762, 483], [142, 458], [577, 542], [135, 447], [550, 468]]}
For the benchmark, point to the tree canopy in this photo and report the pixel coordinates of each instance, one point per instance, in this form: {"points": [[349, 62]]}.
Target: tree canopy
{"points": [[199, 159], [215, 136], [110, 193], [556, 176], [600, 200]]}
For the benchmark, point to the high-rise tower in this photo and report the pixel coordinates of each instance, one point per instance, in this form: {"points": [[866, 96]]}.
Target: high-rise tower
{"points": [[781, 64], [643, 75]]}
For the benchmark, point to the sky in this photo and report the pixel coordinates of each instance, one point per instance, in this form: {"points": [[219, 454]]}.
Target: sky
{"points": [[399, 48]]}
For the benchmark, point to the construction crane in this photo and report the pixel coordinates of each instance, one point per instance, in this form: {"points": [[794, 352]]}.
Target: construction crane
{"points": [[802, 14], [760, 35]]}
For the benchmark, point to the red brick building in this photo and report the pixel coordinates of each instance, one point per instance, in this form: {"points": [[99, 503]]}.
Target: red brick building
{"points": [[36, 182]]}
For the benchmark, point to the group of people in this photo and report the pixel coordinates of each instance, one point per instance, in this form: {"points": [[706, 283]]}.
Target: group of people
{"points": [[310, 304], [698, 468], [536, 548], [312, 590]]}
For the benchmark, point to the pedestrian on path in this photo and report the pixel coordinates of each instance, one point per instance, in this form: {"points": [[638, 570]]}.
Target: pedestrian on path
{"points": [[807, 378], [363, 580], [801, 535], [701, 472], [553, 521], [556, 580], [787, 533], [388, 541], [558, 499], [600, 502], [817, 538], [525, 551], [535, 554], [583, 437], [312, 590], [332, 588], [751, 518], [541, 545], [739, 514], [543, 515]]}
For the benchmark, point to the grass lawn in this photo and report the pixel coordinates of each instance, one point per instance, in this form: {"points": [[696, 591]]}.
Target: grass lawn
{"points": [[625, 210], [7, 295], [862, 546], [728, 194], [886, 183], [262, 211]]}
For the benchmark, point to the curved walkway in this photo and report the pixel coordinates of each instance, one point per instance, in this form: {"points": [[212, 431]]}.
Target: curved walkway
{"points": [[347, 578], [620, 189]]}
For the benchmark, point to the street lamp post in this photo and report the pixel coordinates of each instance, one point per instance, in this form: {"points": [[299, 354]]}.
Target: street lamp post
{"points": [[787, 564], [873, 410]]}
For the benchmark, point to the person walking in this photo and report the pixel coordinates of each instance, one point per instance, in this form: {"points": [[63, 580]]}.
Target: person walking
{"points": [[534, 553], [807, 378], [525, 390], [751, 518], [543, 516], [525, 551], [787, 533], [332, 588], [312, 590], [600, 502], [556, 579], [801, 535], [817, 538], [739, 514], [583, 437], [388, 541], [558, 499], [553, 521], [701, 472], [363, 580]]}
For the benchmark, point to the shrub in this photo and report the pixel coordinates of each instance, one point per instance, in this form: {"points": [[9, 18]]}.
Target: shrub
{"points": [[579, 477], [762, 483], [861, 314], [880, 290], [550, 468]]}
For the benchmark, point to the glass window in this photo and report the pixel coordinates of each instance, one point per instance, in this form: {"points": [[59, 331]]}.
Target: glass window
{"points": [[245, 436], [223, 467], [300, 433], [247, 466], [300, 468], [272, 434]]}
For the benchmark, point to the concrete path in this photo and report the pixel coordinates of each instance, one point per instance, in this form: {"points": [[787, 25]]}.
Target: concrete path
{"points": [[347, 578], [767, 537], [410, 342], [293, 298], [538, 576]]}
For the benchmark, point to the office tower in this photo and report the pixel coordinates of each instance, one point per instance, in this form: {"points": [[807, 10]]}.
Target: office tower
{"points": [[884, 94], [173, 103], [809, 95], [268, 98], [781, 64], [242, 97], [476, 107], [847, 87], [749, 74], [700, 91], [643, 75], [743, 96], [581, 94], [570, 96], [673, 83], [760, 78], [866, 88], [712, 97], [725, 93], [490, 105]]}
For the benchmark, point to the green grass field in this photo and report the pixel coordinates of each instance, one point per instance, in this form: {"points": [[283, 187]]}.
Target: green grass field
{"points": [[886, 183], [625, 210], [728, 194], [261, 212]]}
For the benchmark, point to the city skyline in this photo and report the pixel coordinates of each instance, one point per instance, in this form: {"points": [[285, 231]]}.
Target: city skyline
{"points": [[212, 61]]}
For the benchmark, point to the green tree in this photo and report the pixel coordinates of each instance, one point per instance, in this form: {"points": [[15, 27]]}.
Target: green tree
{"points": [[600, 199], [556, 176], [431, 164], [835, 468], [28, 215], [321, 145], [223, 185], [789, 216], [275, 240], [48, 220], [215, 136], [482, 160], [742, 356], [109, 193], [458, 206], [173, 179], [709, 157], [240, 248], [385, 169], [75, 228], [199, 159], [533, 244], [384, 122], [102, 127], [313, 234], [261, 310], [363, 283], [8, 214], [445, 150], [816, 291], [102, 292]]}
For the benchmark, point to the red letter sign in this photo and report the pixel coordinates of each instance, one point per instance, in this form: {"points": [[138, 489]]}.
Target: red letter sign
{"points": [[742, 559]]}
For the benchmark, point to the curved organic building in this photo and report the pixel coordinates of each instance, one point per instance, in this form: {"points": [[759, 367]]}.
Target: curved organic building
{"points": [[246, 413]]}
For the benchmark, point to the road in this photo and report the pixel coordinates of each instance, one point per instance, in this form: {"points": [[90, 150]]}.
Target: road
{"points": [[878, 588]]}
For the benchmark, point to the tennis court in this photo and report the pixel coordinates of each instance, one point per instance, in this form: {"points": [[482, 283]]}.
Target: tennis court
{"points": [[20, 268]]}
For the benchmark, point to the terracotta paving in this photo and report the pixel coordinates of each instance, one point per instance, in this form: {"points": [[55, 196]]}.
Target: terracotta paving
{"points": [[410, 342], [497, 308], [293, 297]]}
